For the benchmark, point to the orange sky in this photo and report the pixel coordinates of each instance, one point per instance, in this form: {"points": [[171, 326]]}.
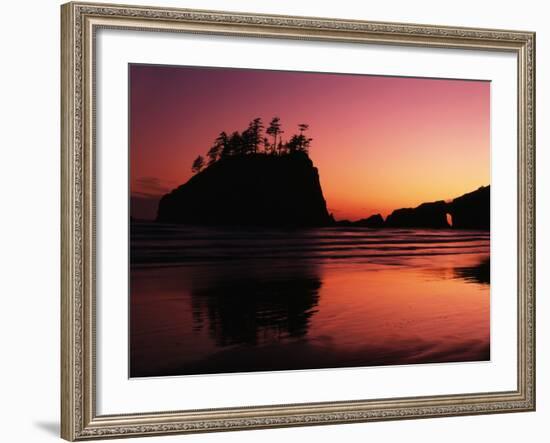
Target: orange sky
{"points": [[380, 143]]}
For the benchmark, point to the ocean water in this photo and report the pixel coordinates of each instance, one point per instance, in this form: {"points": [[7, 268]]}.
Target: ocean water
{"points": [[211, 300]]}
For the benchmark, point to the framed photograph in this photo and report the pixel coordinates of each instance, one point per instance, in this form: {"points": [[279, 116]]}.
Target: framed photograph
{"points": [[282, 221]]}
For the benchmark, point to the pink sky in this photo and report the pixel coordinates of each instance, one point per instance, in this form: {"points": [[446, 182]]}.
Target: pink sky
{"points": [[380, 143]]}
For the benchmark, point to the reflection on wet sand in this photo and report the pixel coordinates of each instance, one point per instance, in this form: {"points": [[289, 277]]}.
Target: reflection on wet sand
{"points": [[480, 273], [304, 300], [253, 310]]}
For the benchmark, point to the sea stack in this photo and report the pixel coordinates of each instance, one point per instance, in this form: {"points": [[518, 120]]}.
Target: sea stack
{"points": [[255, 190]]}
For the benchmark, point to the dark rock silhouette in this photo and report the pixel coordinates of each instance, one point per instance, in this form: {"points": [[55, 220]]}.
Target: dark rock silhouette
{"points": [[427, 215], [253, 190], [472, 210], [374, 221], [469, 211], [344, 223]]}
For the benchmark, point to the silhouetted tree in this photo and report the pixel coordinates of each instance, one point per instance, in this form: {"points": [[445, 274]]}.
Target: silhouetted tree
{"points": [[254, 130], [229, 144], [246, 142], [305, 143], [198, 164], [217, 148], [213, 153], [235, 144], [252, 137], [293, 145], [299, 142], [274, 130], [250, 140]]}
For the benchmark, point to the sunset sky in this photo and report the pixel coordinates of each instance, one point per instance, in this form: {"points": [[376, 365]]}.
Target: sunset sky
{"points": [[380, 143]]}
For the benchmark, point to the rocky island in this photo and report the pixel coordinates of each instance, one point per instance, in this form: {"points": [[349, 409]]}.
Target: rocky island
{"points": [[250, 180], [252, 190]]}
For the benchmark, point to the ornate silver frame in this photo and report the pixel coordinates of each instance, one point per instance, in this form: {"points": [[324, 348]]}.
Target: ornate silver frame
{"points": [[80, 21]]}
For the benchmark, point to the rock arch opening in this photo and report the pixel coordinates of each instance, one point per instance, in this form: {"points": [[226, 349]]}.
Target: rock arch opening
{"points": [[449, 219]]}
